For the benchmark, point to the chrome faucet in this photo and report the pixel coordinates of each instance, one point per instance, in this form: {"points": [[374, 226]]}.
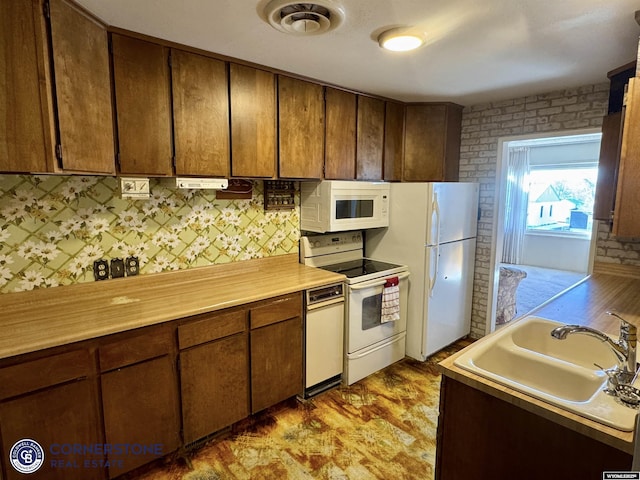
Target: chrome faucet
{"points": [[625, 348]]}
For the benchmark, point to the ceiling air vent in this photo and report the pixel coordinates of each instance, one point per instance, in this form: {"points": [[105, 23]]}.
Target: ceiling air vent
{"points": [[304, 18]]}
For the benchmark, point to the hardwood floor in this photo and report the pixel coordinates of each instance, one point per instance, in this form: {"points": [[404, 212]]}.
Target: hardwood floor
{"points": [[382, 427]]}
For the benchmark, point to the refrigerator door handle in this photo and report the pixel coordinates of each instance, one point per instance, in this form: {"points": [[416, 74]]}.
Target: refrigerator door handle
{"points": [[433, 278], [436, 211]]}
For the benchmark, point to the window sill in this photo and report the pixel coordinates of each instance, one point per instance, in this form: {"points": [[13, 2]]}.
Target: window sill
{"points": [[562, 233]]}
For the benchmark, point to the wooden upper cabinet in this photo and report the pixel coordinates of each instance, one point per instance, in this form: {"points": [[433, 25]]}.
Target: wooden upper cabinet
{"points": [[200, 115], [432, 142], [340, 135], [143, 105], [393, 141], [301, 128], [608, 166], [83, 90], [253, 122], [26, 122], [626, 218], [370, 138]]}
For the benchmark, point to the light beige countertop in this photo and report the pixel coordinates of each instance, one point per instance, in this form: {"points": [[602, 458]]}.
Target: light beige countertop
{"points": [[50, 317], [610, 287]]}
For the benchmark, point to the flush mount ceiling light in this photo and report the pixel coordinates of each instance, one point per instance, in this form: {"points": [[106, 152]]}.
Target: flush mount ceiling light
{"points": [[401, 39], [299, 18]]}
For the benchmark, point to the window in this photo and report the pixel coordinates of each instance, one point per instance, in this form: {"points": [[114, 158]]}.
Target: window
{"points": [[567, 193]]}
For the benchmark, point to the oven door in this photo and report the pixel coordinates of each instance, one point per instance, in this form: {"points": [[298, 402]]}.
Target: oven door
{"points": [[364, 313]]}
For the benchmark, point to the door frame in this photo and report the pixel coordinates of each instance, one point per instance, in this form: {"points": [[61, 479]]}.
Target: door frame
{"points": [[498, 215]]}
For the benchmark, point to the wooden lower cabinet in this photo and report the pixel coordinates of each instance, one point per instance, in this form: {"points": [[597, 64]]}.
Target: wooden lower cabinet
{"points": [[481, 436], [276, 363], [214, 380], [140, 405], [138, 388], [276, 351], [54, 401], [214, 372]]}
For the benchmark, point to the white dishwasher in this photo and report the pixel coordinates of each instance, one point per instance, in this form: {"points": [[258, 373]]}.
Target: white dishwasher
{"points": [[324, 338]]}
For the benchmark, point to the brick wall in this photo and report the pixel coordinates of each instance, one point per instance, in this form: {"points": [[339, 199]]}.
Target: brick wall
{"points": [[612, 250], [483, 125]]}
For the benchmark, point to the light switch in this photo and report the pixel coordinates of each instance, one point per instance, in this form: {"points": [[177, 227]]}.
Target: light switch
{"points": [[134, 188]]}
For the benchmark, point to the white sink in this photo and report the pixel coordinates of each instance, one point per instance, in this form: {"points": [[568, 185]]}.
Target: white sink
{"points": [[525, 357], [535, 335]]}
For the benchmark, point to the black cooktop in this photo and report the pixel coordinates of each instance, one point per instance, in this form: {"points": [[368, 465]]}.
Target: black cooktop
{"points": [[358, 268]]}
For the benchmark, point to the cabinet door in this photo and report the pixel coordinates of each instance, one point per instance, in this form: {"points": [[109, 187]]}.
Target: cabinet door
{"points": [[481, 436], [276, 363], [26, 121], [141, 76], [370, 138], [432, 142], [608, 166], [214, 380], [65, 414], [340, 135], [140, 405], [200, 115], [393, 141], [83, 90], [626, 219], [253, 122], [301, 128]]}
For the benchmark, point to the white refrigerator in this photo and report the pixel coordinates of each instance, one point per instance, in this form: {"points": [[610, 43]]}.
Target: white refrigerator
{"points": [[432, 229]]}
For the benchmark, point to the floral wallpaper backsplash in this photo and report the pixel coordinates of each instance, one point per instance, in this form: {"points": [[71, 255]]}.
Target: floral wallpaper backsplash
{"points": [[52, 229]]}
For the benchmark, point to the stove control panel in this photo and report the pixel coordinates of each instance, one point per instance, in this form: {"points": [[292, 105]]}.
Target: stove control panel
{"points": [[328, 243]]}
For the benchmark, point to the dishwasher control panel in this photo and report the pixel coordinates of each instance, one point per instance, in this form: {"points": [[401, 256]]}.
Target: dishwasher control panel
{"points": [[324, 294]]}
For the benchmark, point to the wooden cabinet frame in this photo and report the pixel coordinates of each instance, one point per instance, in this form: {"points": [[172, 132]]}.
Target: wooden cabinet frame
{"points": [[56, 116], [267, 124], [626, 218]]}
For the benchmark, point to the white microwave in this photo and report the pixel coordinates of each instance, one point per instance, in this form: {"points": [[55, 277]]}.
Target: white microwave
{"points": [[339, 205]]}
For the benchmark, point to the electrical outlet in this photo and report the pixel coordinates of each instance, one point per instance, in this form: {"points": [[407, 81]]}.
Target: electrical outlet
{"points": [[117, 268], [132, 266], [101, 270]]}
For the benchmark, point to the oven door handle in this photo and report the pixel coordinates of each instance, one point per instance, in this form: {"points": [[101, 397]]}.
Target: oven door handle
{"points": [[377, 283], [375, 349]]}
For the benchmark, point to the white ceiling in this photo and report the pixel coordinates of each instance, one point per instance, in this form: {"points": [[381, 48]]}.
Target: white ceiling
{"points": [[476, 52]]}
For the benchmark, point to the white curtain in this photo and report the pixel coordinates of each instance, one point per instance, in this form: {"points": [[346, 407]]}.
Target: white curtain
{"points": [[515, 222]]}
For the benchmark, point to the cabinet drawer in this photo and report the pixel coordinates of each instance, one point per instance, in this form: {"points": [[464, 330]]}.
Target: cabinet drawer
{"points": [[136, 349], [211, 326], [45, 372], [283, 308]]}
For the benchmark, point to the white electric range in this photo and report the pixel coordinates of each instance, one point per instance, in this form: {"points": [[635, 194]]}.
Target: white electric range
{"points": [[371, 343]]}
